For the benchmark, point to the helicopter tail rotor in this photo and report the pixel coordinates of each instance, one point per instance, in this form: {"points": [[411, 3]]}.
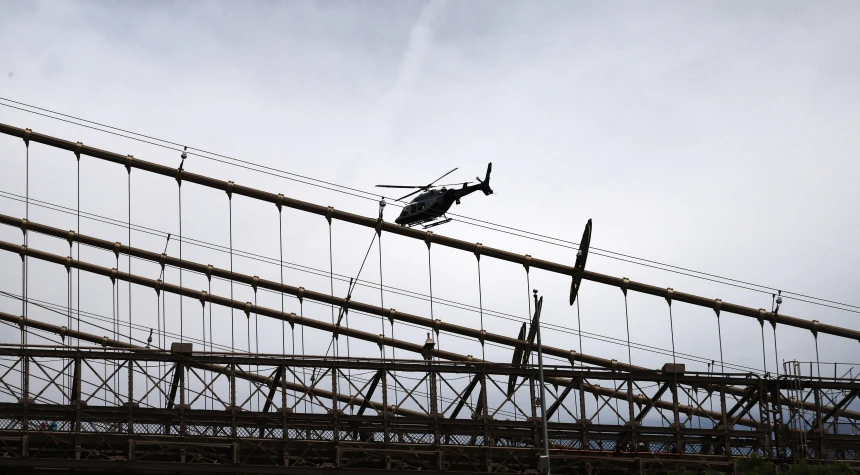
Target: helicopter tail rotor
{"points": [[485, 183]]}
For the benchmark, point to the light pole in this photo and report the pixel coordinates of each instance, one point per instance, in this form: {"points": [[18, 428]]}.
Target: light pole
{"points": [[543, 462]]}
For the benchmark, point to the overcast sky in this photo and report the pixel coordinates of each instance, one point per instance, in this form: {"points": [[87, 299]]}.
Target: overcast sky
{"points": [[716, 136]]}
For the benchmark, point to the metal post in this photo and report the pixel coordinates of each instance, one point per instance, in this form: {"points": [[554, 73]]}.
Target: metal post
{"points": [[544, 460]]}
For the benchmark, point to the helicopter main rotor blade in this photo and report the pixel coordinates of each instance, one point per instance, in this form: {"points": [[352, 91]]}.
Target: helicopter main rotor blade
{"points": [[441, 177], [399, 186], [455, 184], [410, 194]]}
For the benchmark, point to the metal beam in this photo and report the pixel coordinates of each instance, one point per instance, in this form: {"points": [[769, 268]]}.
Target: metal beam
{"points": [[312, 323], [331, 213], [108, 342]]}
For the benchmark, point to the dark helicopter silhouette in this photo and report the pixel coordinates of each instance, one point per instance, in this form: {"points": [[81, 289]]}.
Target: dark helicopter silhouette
{"points": [[435, 201]]}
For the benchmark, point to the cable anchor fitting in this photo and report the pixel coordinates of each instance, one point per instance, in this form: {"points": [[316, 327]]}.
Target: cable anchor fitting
{"points": [[247, 309], [669, 292], [22, 251], [77, 150], [815, 325], [254, 282], [24, 226], [204, 297], [26, 137], [129, 159], [761, 316], [117, 246], [279, 201], [717, 304], [527, 261], [328, 212], [625, 282], [209, 272], [229, 190], [391, 313], [71, 237], [159, 284], [113, 275], [68, 264], [300, 294], [428, 239], [292, 320], [478, 248]]}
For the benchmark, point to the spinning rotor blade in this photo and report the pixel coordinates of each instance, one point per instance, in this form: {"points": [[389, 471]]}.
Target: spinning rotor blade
{"points": [[455, 184], [398, 186], [441, 177], [410, 194]]}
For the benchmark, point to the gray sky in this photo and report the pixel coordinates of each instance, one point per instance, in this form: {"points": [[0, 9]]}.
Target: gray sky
{"points": [[717, 136]]}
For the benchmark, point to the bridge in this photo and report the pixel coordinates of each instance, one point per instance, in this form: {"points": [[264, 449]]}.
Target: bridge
{"points": [[141, 398]]}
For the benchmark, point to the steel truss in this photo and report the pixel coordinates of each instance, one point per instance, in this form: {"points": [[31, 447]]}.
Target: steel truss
{"points": [[147, 423]]}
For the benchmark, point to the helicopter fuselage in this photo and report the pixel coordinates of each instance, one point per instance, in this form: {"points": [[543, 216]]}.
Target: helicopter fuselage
{"points": [[433, 204]]}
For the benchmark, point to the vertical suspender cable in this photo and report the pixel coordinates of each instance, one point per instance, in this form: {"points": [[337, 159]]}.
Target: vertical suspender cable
{"points": [[78, 156], [481, 307], [720, 337], [281, 266], [24, 276], [331, 283], [129, 258], [181, 323], [775, 351], [627, 321], [381, 296], [672, 330], [232, 311]]}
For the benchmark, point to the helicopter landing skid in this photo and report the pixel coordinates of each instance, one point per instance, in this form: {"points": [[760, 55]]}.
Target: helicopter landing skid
{"points": [[438, 223]]}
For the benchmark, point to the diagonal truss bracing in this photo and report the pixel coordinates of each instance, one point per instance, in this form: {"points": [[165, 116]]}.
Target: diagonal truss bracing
{"points": [[428, 237], [336, 329]]}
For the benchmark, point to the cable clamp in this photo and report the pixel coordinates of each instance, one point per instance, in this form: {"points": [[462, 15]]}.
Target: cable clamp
{"points": [[116, 248], [773, 317], [77, 151], [129, 159], [478, 248], [229, 189], [436, 326], [428, 238], [571, 356], [379, 227], [22, 251], [527, 261], [669, 292], [113, 274], [105, 340], [717, 304], [380, 342], [481, 336], [391, 313], [815, 326], [204, 297], [179, 172], [300, 294], [279, 201], [63, 331], [162, 260], [328, 212], [625, 282], [247, 309], [761, 317], [254, 282], [209, 272], [24, 226], [158, 286], [292, 320], [336, 332], [68, 264], [26, 137], [613, 365], [71, 237]]}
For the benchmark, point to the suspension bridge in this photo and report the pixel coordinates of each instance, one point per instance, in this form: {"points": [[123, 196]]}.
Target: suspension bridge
{"points": [[86, 391]]}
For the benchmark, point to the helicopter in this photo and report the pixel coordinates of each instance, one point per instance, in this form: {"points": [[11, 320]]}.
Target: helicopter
{"points": [[431, 205]]}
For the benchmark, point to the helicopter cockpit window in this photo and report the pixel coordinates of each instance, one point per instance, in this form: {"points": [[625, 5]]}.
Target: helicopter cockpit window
{"points": [[412, 209], [405, 211]]}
